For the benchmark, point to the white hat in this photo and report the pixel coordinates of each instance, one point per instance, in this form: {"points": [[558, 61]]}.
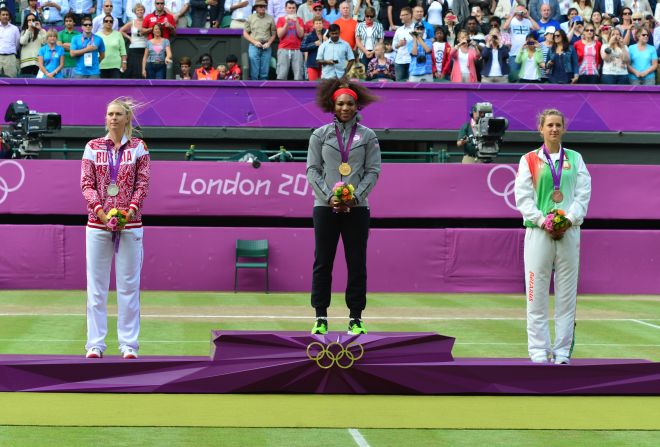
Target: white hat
{"points": [[550, 29]]}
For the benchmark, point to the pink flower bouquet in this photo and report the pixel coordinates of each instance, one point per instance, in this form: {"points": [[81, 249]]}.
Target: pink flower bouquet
{"points": [[556, 223]]}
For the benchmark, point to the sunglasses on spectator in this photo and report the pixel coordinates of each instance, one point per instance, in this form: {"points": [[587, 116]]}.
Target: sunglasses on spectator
{"points": [[108, 21], [627, 13], [644, 35], [86, 24], [590, 30], [557, 35], [369, 17], [160, 3], [637, 20], [315, 9]]}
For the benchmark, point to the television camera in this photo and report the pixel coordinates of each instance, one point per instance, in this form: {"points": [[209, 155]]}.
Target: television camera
{"points": [[26, 127]]}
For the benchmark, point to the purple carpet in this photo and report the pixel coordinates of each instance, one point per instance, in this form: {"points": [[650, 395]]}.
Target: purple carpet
{"points": [[296, 362]]}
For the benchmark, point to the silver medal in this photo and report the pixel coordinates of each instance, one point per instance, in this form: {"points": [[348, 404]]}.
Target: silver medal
{"points": [[113, 189]]}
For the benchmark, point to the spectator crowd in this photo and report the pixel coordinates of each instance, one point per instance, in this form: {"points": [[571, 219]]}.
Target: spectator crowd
{"points": [[489, 41]]}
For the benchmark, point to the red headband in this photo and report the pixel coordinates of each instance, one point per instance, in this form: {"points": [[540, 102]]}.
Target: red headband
{"points": [[344, 91]]}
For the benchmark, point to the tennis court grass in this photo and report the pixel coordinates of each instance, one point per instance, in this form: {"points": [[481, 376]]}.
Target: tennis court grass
{"points": [[179, 323]]}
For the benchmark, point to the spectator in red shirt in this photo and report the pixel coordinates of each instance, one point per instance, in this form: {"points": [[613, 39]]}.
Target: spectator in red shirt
{"points": [[347, 24], [290, 31], [233, 69], [317, 10], [159, 16]]}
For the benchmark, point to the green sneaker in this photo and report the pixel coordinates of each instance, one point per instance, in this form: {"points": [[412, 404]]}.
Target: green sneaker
{"points": [[356, 327], [320, 326]]}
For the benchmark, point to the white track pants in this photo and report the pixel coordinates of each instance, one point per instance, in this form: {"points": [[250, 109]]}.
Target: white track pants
{"points": [[542, 254], [128, 264]]}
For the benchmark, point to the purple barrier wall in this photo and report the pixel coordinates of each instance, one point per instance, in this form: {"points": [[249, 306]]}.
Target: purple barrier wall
{"points": [[281, 189], [411, 260], [291, 104]]}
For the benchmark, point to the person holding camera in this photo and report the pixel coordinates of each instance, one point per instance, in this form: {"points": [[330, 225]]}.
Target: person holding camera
{"points": [[342, 151], [290, 31], [115, 175], [464, 56], [520, 24], [33, 37], [421, 59], [495, 57], [530, 59], [466, 137], [552, 178], [615, 59], [335, 55], [576, 29]]}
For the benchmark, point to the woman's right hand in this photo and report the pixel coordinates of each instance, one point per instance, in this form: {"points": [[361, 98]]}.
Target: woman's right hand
{"points": [[144, 74]]}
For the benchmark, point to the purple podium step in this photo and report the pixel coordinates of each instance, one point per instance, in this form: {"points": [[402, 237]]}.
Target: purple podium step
{"points": [[297, 362]]}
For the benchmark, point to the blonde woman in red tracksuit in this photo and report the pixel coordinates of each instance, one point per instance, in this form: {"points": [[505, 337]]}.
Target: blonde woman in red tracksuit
{"points": [[115, 174]]}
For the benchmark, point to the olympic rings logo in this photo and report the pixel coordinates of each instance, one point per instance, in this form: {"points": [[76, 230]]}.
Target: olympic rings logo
{"points": [[508, 193], [334, 354], [4, 186]]}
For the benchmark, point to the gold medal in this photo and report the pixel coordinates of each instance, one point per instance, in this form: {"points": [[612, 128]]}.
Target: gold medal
{"points": [[345, 169], [557, 196]]}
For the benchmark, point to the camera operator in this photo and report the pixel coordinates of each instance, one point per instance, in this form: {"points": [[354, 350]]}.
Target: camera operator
{"points": [[495, 58], [466, 138]]}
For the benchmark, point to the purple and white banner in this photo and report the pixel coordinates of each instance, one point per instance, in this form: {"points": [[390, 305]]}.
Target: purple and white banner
{"points": [[620, 192], [595, 108]]}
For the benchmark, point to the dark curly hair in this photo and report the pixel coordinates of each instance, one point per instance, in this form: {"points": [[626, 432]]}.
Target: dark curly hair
{"points": [[327, 88]]}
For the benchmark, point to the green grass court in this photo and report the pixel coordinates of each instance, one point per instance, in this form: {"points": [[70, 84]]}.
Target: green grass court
{"points": [[179, 323]]}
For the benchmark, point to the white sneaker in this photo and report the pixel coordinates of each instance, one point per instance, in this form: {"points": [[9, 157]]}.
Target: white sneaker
{"points": [[541, 358], [94, 353], [561, 360], [129, 353]]}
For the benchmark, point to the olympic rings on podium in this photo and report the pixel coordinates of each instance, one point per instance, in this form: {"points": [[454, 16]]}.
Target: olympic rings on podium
{"points": [[334, 354]]}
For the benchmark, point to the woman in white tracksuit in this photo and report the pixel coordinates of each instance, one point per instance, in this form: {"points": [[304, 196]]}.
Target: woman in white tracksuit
{"points": [[540, 188], [115, 174]]}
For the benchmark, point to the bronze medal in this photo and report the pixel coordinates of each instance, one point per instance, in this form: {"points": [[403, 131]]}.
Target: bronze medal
{"points": [[557, 196], [345, 169], [113, 189]]}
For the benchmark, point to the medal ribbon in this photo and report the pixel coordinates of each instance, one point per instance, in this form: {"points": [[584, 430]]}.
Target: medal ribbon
{"points": [[345, 150], [556, 173], [112, 167]]}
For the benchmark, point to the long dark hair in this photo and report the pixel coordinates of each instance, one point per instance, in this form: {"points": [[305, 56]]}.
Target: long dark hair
{"points": [[35, 32], [564, 41], [328, 8], [327, 88]]}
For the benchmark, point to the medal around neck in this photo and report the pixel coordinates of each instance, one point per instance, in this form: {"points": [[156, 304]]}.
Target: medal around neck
{"points": [[557, 196], [345, 169], [113, 189]]}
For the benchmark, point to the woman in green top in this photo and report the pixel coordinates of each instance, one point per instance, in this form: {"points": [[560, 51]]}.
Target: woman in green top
{"points": [[530, 58], [114, 62], [552, 182]]}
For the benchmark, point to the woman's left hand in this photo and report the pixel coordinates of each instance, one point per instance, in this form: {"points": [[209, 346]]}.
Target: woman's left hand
{"points": [[351, 203]]}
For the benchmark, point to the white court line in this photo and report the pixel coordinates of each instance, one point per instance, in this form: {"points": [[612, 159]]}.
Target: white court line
{"points": [[646, 324], [307, 317], [358, 438]]}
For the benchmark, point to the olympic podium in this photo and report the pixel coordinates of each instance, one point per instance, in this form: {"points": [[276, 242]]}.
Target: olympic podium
{"points": [[337, 363]]}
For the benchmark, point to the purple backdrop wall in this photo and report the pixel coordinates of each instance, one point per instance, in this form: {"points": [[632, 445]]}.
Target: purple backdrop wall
{"points": [[280, 189], [291, 104], [438, 260]]}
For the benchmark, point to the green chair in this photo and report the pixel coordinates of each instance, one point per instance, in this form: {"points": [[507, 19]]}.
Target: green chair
{"points": [[254, 249]]}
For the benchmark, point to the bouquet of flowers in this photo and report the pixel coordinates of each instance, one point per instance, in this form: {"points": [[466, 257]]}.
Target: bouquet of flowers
{"points": [[556, 224], [344, 192], [118, 219]]}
